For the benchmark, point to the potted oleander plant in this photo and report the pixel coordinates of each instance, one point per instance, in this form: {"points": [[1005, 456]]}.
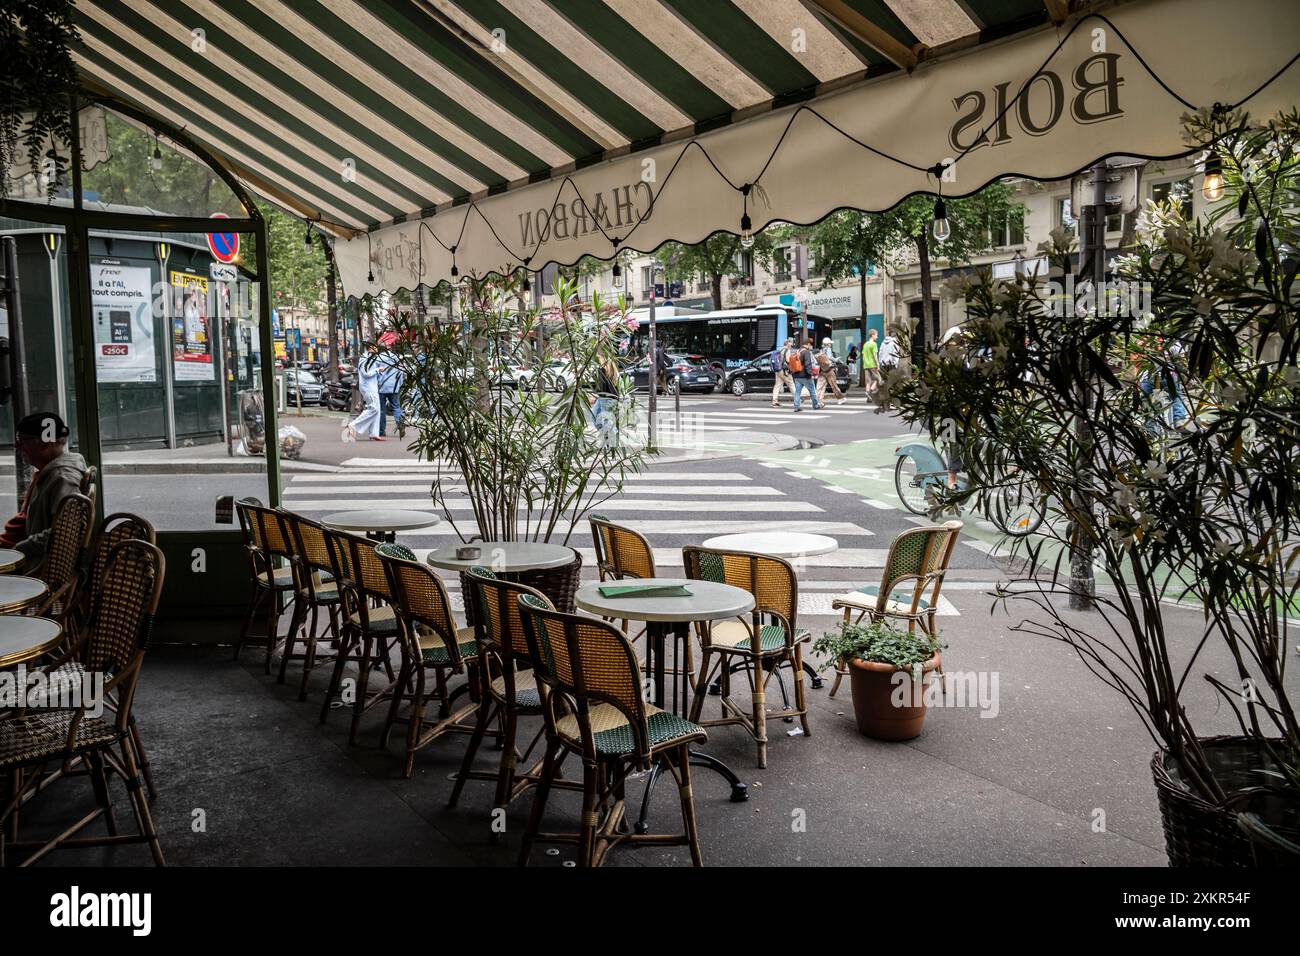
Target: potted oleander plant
{"points": [[890, 670], [1161, 433], [509, 398]]}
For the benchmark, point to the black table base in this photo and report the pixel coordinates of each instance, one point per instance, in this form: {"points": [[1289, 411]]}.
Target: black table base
{"points": [[656, 643]]}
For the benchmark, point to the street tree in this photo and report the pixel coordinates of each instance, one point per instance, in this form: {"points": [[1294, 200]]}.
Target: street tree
{"points": [[716, 258]]}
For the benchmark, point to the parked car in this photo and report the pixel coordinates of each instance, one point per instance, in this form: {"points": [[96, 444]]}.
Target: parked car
{"points": [[555, 376], [691, 372], [757, 376], [313, 392]]}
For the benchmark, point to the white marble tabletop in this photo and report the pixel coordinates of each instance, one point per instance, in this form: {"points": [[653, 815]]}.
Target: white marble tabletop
{"points": [[708, 601], [503, 556], [784, 544], [374, 520]]}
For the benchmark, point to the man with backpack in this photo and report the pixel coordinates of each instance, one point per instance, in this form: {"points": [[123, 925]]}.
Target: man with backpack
{"points": [[801, 364], [781, 371]]}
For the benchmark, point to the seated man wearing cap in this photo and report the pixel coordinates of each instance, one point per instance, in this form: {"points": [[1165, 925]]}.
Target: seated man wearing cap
{"points": [[43, 439]]}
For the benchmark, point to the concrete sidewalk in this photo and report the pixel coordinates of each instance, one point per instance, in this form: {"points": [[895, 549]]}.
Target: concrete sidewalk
{"points": [[1053, 772]]}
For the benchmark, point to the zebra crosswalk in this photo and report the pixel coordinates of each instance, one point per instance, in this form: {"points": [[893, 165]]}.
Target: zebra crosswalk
{"points": [[669, 504]]}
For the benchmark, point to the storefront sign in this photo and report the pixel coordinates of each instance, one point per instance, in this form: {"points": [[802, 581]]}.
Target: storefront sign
{"points": [[191, 328], [119, 299]]}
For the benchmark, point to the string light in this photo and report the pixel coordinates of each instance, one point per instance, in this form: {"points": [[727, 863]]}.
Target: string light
{"points": [[942, 229], [306, 239], [155, 162], [746, 232], [528, 290], [1212, 187], [618, 275]]}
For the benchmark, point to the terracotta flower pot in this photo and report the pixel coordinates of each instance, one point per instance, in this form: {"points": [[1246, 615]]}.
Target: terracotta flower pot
{"points": [[875, 699]]}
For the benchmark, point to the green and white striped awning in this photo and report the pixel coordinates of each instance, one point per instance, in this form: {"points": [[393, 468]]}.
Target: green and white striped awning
{"points": [[515, 131]]}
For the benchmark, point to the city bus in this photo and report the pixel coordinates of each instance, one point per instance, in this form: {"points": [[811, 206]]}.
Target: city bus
{"points": [[732, 337]]}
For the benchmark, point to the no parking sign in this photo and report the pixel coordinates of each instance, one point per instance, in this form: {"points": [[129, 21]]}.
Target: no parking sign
{"points": [[223, 245]]}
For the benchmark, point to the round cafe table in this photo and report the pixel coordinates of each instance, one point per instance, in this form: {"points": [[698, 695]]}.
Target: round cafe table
{"points": [[382, 524], [18, 592], [24, 639], [796, 544], [664, 615], [503, 556], [11, 560]]}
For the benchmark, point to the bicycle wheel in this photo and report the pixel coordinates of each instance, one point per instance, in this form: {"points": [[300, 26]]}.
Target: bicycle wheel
{"points": [[1018, 507], [910, 483]]}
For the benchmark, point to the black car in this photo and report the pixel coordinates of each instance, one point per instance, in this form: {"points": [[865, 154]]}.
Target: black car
{"points": [[757, 376], [313, 392], [691, 372]]}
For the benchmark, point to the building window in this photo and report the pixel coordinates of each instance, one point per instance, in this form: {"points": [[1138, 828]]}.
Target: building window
{"points": [[1176, 189], [1065, 217], [647, 281], [1007, 229], [782, 261]]}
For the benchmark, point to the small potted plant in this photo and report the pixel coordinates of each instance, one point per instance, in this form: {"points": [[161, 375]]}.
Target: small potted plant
{"points": [[889, 668]]}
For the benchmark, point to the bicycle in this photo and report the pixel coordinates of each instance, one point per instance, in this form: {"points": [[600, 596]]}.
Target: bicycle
{"points": [[920, 471]]}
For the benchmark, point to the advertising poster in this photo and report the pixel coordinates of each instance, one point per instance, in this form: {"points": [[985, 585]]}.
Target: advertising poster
{"points": [[119, 297], [191, 328]]}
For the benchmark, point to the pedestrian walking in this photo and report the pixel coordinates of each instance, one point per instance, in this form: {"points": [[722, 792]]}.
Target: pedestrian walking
{"points": [[390, 391], [781, 370], [826, 365], [886, 360], [871, 363], [366, 425], [801, 364], [661, 363]]}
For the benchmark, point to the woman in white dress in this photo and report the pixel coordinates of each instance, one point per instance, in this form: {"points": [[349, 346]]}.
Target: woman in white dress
{"points": [[366, 425]]}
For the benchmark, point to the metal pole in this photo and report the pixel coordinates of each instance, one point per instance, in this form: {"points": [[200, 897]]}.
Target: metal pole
{"points": [[169, 377], [270, 410], [653, 377], [17, 359], [53, 243], [1092, 252]]}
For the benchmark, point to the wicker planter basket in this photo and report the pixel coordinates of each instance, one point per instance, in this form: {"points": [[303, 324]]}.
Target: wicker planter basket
{"points": [[1200, 833], [559, 584]]}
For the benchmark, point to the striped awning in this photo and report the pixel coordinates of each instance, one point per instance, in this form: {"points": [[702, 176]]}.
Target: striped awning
{"points": [[433, 133]]}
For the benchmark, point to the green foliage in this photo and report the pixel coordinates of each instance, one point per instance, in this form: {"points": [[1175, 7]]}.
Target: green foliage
{"points": [[39, 79], [1209, 510], [715, 259], [298, 273], [532, 463], [881, 642]]}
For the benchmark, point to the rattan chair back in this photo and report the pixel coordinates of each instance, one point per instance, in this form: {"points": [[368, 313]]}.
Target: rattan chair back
{"points": [[311, 553], [119, 527], [267, 538], [620, 551], [501, 629], [917, 561], [418, 596], [584, 662], [123, 606], [74, 522], [771, 580]]}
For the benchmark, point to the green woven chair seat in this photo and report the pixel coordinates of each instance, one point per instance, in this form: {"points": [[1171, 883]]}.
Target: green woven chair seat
{"points": [[613, 735], [734, 635], [434, 651], [44, 736], [526, 693]]}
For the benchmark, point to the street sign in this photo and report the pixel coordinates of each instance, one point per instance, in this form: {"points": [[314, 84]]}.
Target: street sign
{"points": [[223, 245], [1121, 190], [222, 273]]}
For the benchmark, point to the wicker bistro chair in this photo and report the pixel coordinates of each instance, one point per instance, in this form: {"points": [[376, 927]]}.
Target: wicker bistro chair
{"points": [[314, 589], [507, 687], [760, 645], [592, 706], [430, 642], [47, 742], [918, 559], [61, 569], [369, 628], [620, 553], [270, 555], [117, 528]]}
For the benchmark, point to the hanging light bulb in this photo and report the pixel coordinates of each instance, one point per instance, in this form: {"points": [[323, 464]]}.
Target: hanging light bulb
{"points": [[746, 232], [942, 230], [155, 162], [1212, 187], [528, 290], [306, 240], [617, 272]]}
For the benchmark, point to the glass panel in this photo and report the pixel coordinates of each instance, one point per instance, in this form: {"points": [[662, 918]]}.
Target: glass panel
{"points": [[178, 372], [127, 167]]}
